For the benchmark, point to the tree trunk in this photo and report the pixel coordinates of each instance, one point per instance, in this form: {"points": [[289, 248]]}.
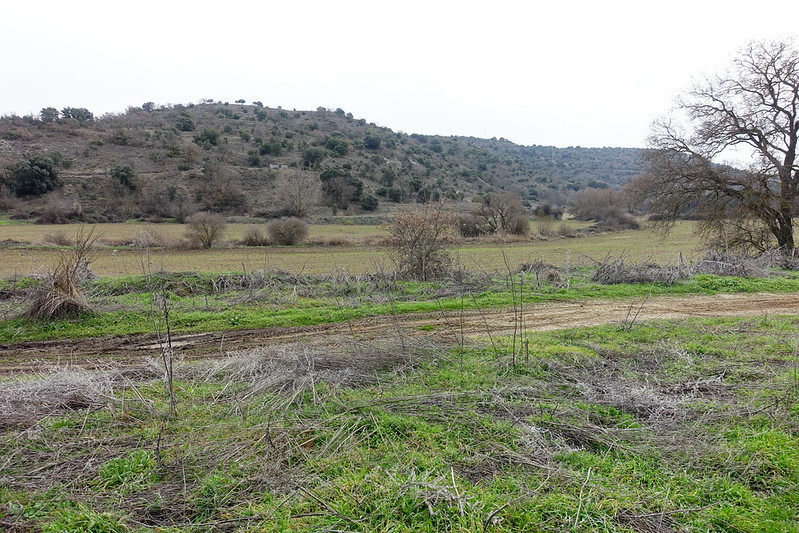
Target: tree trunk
{"points": [[784, 233]]}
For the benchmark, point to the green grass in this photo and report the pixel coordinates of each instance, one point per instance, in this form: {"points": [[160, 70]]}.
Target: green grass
{"points": [[600, 429], [277, 302]]}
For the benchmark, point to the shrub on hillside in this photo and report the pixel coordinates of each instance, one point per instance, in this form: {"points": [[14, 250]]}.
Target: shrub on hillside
{"points": [[34, 176], [287, 231]]}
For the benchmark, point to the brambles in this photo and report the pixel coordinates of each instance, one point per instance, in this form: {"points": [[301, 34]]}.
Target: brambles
{"points": [[204, 229], [287, 231], [417, 239]]}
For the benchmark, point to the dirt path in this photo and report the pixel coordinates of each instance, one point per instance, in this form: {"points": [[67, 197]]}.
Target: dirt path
{"points": [[131, 349]]}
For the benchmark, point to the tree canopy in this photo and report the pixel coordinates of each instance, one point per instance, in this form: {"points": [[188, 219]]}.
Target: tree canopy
{"points": [[752, 109]]}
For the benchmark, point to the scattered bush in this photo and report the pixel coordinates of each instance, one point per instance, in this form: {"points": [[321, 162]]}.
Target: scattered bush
{"points": [[185, 123], [81, 114], [312, 157], [204, 229], [207, 138], [287, 231]]}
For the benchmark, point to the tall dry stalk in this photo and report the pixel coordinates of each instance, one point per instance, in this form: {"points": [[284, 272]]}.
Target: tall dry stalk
{"points": [[61, 295]]}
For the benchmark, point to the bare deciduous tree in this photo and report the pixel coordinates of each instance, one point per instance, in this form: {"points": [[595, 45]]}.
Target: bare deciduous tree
{"points": [[754, 106], [204, 229], [297, 192]]}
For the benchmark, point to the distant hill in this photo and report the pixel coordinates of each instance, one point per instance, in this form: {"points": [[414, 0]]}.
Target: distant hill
{"points": [[247, 159]]}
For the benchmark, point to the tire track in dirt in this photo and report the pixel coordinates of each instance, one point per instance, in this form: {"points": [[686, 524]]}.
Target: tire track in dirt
{"points": [[104, 352]]}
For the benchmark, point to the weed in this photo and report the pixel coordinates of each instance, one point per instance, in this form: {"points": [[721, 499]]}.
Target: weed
{"points": [[130, 473]]}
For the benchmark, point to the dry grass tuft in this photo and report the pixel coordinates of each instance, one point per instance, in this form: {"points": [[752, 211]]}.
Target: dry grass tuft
{"points": [[24, 403], [60, 295], [296, 368]]}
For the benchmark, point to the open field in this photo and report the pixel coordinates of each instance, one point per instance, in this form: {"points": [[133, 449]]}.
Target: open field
{"points": [[355, 258]]}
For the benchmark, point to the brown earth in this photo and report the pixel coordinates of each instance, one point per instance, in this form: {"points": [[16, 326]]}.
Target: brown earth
{"points": [[115, 351]]}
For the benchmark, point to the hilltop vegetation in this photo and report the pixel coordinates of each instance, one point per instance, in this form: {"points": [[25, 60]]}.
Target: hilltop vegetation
{"points": [[159, 162]]}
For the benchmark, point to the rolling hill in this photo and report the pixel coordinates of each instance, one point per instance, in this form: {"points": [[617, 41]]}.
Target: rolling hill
{"points": [[246, 159]]}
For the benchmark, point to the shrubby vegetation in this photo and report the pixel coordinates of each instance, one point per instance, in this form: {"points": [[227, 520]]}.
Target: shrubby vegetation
{"points": [[34, 176], [417, 240], [287, 231], [204, 229], [257, 147]]}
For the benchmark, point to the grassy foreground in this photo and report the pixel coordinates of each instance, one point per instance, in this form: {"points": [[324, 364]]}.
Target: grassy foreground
{"points": [[220, 302], [689, 425]]}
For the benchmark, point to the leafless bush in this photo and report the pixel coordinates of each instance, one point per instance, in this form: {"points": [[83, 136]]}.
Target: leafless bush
{"points": [[58, 238], [788, 260], [149, 238], [496, 213], [60, 210], [287, 231], [204, 229], [254, 237], [614, 270], [60, 296], [336, 240], [565, 230], [416, 241]]}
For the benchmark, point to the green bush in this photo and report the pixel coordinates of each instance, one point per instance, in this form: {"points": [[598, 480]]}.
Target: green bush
{"points": [[207, 138], [34, 177], [369, 203], [184, 123], [126, 176]]}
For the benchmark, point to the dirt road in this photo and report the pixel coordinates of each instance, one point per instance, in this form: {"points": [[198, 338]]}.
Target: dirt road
{"points": [[105, 352]]}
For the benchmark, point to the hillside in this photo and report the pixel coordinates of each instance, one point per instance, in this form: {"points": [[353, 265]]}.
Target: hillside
{"points": [[162, 162]]}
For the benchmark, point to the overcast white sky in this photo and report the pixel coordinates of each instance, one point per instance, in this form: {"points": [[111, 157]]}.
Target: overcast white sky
{"points": [[588, 73]]}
